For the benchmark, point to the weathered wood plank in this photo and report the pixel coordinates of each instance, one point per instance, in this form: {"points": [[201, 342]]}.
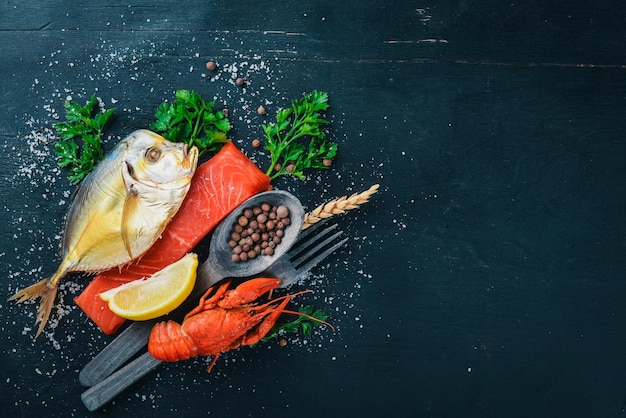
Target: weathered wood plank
{"points": [[492, 33], [485, 277]]}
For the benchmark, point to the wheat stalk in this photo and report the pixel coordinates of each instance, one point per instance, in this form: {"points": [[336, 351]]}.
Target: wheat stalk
{"points": [[338, 206]]}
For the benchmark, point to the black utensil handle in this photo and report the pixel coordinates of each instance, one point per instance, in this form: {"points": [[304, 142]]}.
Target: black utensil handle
{"points": [[116, 353], [136, 336], [99, 395]]}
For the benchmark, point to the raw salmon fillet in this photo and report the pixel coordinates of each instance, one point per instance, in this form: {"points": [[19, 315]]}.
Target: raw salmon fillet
{"points": [[218, 187]]}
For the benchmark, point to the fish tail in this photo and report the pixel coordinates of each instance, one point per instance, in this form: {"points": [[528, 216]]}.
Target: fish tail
{"points": [[45, 290]]}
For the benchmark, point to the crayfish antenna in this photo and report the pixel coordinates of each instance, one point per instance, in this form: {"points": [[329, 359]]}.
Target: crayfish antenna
{"points": [[273, 301], [312, 318]]}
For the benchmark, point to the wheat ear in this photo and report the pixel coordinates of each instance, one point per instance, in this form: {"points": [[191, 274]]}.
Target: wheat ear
{"points": [[338, 206]]}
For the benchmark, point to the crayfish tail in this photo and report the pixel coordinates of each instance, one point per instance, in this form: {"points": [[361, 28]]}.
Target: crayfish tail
{"points": [[169, 342]]}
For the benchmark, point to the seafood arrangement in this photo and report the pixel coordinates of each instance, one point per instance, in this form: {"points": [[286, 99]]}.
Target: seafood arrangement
{"points": [[148, 204], [219, 185]]}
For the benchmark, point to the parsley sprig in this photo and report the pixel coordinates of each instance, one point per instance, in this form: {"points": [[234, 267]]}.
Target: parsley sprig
{"points": [[300, 323], [303, 120], [296, 141], [87, 124], [191, 120]]}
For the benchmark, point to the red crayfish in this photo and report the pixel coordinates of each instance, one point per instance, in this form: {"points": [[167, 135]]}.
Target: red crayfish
{"points": [[224, 321]]}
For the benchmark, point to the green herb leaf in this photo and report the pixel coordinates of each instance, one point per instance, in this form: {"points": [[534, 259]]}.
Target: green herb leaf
{"points": [[300, 323], [303, 120], [82, 124], [191, 120], [73, 111]]}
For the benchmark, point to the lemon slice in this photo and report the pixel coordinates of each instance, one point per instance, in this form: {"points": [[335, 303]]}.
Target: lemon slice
{"points": [[157, 295]]}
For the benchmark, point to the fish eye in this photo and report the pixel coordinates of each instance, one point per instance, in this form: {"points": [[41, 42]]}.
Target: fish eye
{"points": [[153, 154]]}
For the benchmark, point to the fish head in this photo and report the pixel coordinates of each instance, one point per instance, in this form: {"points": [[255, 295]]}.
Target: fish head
{"points": [[154, 161]]}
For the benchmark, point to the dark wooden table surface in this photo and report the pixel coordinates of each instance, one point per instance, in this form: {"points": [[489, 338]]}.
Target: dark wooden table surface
{"points": [[486, 279]]}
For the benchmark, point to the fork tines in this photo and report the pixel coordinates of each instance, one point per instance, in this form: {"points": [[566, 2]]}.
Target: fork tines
{"points": [[314, 245]]}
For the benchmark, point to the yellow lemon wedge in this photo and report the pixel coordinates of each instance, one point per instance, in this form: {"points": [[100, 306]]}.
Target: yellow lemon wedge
{"points": [[157, 295]]}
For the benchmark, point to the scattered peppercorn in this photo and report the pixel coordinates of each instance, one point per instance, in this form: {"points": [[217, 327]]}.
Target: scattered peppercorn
{"points": [[239, 81], [211, 66], [256, 143], [327, 162], [261, 110], [282, 342]]}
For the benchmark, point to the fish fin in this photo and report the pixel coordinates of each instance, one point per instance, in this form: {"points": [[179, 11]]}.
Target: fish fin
{"points": [[44, 290], [131, 206]]}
